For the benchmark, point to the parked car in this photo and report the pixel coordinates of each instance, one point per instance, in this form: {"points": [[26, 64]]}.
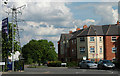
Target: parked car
{"points": [[105, 64], [87, 64]]}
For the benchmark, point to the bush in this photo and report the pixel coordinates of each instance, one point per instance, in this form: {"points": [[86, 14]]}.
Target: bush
{"points": [[19, 65], [54, 64], [72, 64]]}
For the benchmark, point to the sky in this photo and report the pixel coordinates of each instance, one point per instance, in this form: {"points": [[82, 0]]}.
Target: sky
{"points": [[48, 20]]}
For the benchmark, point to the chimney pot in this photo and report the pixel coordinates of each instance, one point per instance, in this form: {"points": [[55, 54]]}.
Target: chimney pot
{"points": [[77, 29], [70, 32], [117, 22], [85, 26]]}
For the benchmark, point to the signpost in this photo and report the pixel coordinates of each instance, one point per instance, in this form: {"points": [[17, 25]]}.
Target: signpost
{"points": [[5, 36], [5, 26], [2, 63]]}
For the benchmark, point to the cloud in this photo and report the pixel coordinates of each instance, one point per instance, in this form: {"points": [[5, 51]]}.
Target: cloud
{"points": [[80, 23], [107, 13], [38, 29], [56, 38], [54, 13], [25, 39]]}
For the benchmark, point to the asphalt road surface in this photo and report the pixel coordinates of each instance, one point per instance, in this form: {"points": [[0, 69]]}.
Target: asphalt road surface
{"points": [[61, 71]]}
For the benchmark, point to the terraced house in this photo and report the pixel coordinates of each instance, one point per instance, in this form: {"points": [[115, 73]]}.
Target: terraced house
{"points": [[90, 43], [94, 43]]}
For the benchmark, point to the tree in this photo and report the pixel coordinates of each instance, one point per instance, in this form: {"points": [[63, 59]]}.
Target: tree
{"points": [[40, 51], [7, 44]]}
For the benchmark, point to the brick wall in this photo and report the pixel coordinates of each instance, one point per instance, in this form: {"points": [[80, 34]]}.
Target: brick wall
{"points": [[73, 54], [109, 55]]}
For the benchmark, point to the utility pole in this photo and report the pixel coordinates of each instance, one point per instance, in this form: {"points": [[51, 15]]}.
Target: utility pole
{"points": [[15, 34], [15, 31]]}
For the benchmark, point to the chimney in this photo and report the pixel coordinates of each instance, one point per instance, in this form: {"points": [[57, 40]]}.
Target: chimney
{"points": [[58, 42], [77, 29], [117, 22], [85, 26], [70, 32]]}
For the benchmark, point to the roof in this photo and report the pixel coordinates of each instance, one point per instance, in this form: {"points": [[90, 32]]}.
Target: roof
{"points": [[92, 30], [76, 33], [113, 30], [101, 30], [65, 37]]}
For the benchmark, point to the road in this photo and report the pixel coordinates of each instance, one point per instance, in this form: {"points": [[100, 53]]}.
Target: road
{"points": [[60, 71]]}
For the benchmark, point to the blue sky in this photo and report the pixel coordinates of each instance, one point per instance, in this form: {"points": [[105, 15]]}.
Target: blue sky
{"points": [[48, 20]]}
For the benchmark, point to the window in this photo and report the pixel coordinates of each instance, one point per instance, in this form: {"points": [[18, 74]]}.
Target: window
{"points": [[100, 50], [100, 38], [114, 50], [92, 50], [114, 39], [113, 59], [82, 39], [91, 38], [82, 49]]}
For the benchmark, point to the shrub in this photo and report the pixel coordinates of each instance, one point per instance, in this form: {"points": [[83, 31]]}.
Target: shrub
{"points": [[72, 64], [54, 64]]}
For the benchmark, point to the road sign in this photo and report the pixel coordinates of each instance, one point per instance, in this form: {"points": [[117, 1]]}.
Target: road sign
{"points": [[2, 63], [5, 26]]}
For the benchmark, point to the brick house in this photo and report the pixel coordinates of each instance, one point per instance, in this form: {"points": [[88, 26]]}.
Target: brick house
{"points": [[73, 44], [94, 42], [112, 42], [63, 47]]}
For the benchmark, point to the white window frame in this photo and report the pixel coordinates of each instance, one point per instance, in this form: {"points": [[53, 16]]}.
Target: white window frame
{"points": [[82, 49], [93, 50], [101, 50], [100, 38], [113, 38], [114, 48], [93, 39]]}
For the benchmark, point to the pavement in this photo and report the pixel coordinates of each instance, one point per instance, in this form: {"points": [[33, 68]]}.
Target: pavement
{"points": [[53, 71]]}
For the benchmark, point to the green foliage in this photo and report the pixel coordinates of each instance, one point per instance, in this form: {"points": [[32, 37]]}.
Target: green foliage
{"points": [[72, 64], [7, 44], [40, 51], [54, 64], [30, 61]]}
